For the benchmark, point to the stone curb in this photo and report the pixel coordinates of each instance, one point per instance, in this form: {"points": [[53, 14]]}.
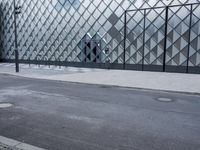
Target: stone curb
{"points": [[10, 144]]}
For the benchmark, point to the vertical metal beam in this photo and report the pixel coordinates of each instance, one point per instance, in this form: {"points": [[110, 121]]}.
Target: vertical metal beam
{"points": [[125, 32], [144, 31], [189, 38], [16, 45], [165, 42]]}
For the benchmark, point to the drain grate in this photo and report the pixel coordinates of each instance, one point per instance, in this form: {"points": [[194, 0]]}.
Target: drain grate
{"points": [[104, 86], [5, 105], [164, 99]]}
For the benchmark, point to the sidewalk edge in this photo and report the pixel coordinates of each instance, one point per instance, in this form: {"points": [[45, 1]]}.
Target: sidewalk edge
{"points": [[106, 85]]}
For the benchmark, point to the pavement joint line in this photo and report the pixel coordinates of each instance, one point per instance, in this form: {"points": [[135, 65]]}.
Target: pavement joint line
{"points": [[110, 86], [160, 81], [16, 145], [98, 84]]}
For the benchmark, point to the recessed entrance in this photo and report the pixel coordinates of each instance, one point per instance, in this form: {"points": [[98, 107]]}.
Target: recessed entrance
{"points": [[91, 51]]}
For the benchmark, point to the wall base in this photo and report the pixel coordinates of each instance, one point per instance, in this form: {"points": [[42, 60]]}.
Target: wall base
{"points": [[139, 67]]}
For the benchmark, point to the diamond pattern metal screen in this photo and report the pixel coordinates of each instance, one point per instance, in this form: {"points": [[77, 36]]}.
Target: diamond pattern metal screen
{"points": [[145, 38], [135, 31], [81, 31], [194, 55], [154, 37], [178, 36]]}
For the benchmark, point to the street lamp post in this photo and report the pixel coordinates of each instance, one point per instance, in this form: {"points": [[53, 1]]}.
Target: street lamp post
{"points": [[17, 10]]}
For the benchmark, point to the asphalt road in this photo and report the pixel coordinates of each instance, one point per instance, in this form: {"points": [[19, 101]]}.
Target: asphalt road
{"points": [[67, 116]]}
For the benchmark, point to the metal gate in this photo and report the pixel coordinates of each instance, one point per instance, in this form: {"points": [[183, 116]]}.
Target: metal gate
{"points": [[163, 39]]}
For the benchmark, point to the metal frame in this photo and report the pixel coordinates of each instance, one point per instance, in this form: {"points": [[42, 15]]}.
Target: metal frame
{"points": [[165, 42], [165, 34], [189, 39], [163, 7], [121, 61]]}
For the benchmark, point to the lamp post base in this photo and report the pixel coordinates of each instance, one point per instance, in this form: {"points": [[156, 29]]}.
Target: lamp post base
{"points": [[16, 61]]}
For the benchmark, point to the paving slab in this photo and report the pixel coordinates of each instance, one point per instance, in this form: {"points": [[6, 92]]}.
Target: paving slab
{"points": [[177, 82], [10, 144]]}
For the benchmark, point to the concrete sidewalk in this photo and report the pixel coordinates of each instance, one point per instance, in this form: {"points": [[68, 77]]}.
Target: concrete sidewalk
{"points": [[177, 82], [10, 144]]}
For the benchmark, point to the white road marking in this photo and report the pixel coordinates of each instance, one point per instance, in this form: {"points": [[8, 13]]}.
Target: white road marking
{"points": [[5, 105]]}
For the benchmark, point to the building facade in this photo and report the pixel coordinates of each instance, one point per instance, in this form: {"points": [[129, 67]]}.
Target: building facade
{"points": [[104, 33]]}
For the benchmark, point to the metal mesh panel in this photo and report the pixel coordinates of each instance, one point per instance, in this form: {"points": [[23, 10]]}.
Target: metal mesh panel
{"points": [[194, 54], [134, 40], [145, 37], [154, 37], [163, 38], [178, 36], [53, 30]]}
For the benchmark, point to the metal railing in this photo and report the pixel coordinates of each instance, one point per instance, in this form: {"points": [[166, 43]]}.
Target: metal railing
{"points": [[166, 8]]}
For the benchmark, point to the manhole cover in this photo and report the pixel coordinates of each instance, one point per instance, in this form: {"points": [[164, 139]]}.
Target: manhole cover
{"points": [[5, 105], [162, 99]]}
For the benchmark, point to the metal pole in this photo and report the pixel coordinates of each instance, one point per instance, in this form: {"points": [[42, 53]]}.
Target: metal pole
{"points": [[143, 40], [189, 42], [16, 46], [124, 54], [165, 42]]}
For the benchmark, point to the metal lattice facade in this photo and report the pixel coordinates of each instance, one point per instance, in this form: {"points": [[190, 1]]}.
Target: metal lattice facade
{"points": [[91, 33]]}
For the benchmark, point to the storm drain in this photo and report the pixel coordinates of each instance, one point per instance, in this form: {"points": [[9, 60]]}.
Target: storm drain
{"points": [[5, 105], [163, 99]]}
